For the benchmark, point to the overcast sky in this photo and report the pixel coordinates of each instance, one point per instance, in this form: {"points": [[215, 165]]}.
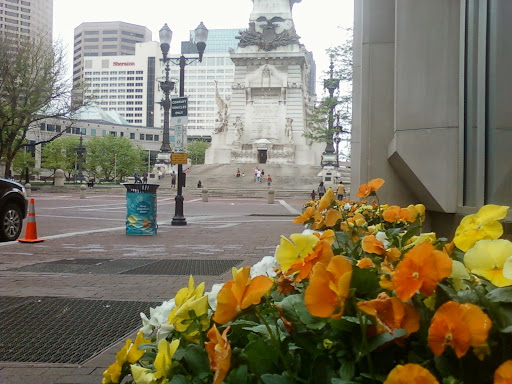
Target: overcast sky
{"points": [[317, 22]]}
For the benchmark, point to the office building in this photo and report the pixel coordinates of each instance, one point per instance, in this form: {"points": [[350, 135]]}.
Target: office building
{"points": [[27, 18], [129, 84], [431, 110], [99, 39]]}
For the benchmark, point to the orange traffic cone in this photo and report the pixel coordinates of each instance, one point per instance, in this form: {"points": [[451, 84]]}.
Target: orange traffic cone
{"points": [[31, 230]]}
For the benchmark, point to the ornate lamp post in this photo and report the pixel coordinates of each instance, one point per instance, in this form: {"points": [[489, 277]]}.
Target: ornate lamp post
{"points": [[80, 150], [201, 35], [331, 84], [166, 86]]}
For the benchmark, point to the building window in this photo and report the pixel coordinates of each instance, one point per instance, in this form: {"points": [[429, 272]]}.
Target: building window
{"points": [[132, 135], [93, 131], [141, 136]]}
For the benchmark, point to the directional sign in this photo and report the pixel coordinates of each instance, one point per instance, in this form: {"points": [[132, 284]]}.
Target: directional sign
{"points": [[179, 111]]}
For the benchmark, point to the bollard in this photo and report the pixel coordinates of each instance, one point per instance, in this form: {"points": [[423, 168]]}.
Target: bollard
{"points": [[271, 196], [59, 178], [205, 195], [28, 189], [83, 188]]}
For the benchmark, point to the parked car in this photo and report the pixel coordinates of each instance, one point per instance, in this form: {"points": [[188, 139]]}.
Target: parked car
{"points": [[13, 209]]}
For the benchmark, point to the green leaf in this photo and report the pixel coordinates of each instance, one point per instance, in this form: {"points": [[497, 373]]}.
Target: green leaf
{"points": [[347, 370], [238, 375], [277, 379], [341, 381], [501, 295], [262, 357], [197, 360], [179, 379], [384, 338], [365, 281], [410, 233], [295, 311]]}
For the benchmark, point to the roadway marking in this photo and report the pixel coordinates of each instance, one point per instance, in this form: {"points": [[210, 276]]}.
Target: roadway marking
{"points": [[289, 207]]}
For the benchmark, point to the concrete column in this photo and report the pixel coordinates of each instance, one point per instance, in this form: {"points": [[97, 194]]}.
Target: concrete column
{"points": [[271, 196], [205, 195], [28, 189], [59, 178]]}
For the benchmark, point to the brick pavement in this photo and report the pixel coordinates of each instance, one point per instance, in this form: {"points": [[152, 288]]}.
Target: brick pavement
{"points": [[222, 229]]}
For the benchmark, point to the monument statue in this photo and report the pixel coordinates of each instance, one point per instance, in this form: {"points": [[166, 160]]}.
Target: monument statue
{"points": [[221, 122], [288, 130], [239, 128]]}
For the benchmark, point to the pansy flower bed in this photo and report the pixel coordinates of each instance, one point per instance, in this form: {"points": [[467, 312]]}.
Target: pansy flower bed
{"points": [[362, 295]]}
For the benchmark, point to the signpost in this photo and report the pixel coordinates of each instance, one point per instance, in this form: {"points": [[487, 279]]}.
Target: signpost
{"points": [[179, 111], [179, 158]]}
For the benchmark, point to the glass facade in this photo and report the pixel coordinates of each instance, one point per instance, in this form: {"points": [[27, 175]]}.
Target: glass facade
{"points": [[487, 93]]}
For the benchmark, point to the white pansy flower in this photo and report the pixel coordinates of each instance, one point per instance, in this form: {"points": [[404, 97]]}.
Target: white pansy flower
{"points": [[347, 207], [163, 332], [264, 267], [212, 296], [381, 236], [158, 317]]}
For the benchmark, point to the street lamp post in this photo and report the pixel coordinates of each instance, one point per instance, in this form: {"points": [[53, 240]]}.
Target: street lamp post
{"points": [[201, 35], [80, 151], [331, 84]]}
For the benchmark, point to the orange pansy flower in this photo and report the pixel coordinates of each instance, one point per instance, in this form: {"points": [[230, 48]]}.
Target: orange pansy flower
{"points": [[305, 216], [365, 262], [319, 221], [331, 217], [219, 353], [503, 375], [328, 288], [395, 213], [327, 235], [366, 190], [458, 325], [392, 313], [410, 374], [326, 200], [322, 253], [370, 244], [239, 294], [421, 270]]}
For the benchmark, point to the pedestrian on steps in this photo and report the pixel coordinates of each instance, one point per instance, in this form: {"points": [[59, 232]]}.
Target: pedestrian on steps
{"points": [[321, 190]]}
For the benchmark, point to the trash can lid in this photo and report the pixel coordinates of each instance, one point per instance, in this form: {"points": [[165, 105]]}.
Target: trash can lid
{"points": [[141, 188]]}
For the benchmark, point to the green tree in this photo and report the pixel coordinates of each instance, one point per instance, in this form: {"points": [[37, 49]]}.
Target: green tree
{"points": [[318, 123], [196, 151], [113, 158], [32, 87], [22, 161], [61, 154]]}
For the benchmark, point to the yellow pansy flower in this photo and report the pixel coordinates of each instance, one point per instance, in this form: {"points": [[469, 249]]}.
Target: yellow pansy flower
{"points": [[143, 375], [134, 354], [163, 359], [292, 250], [482, 225], [487, 259], [181, 317]]}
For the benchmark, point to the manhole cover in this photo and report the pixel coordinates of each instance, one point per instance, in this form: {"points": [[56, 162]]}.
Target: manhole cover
{"points": [[185, 267], [59, 330]]}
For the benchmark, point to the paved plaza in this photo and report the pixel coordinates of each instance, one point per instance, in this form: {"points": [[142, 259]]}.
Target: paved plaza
{"points": [[88, 281]]}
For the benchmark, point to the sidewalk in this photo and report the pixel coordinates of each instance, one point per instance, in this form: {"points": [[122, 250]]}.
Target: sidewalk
{"points": [[112, 268]]}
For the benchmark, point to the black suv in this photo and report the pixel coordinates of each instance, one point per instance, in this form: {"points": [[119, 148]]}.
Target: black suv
{"points": [[13, 209]]}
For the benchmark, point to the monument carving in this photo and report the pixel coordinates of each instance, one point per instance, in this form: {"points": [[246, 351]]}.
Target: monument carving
{"points": [[221, 122], [239, 128]]}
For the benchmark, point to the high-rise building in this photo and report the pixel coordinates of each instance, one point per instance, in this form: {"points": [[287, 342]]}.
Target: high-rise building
{"points": [[129, 84], [22, 19], [98, 39]]}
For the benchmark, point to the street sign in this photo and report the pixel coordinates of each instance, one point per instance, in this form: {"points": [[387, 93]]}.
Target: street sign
{"points": [[178, 158], [179, 138], [179, 111]]}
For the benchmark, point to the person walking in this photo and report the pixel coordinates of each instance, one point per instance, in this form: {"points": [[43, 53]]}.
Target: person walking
{"points": [[145, 177], [269, 181], [313, 195], [173, 180], [321, 190], [136, 178], [340, 191]]}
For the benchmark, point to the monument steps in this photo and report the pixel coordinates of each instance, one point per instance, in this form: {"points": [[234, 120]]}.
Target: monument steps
{"points": [[288, 181]]}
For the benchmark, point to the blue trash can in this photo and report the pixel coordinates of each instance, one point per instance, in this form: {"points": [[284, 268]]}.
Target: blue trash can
{"points": [[141, 210]]}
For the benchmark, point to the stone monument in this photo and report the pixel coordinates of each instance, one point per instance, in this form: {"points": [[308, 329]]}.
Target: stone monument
{"points": [[273, 89]]}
